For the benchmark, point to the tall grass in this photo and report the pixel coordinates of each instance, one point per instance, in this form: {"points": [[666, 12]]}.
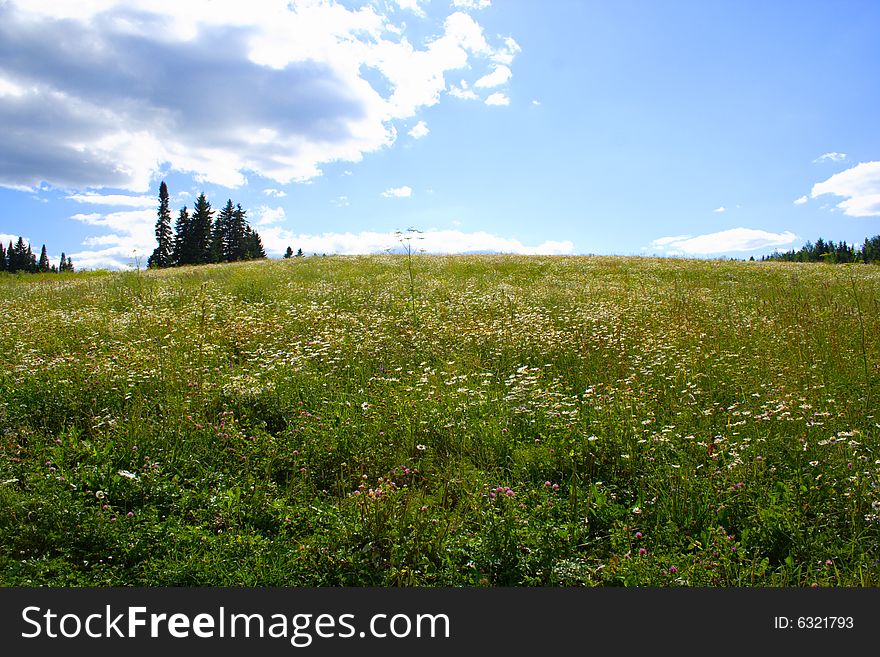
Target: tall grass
{"points": [[545, 421]]}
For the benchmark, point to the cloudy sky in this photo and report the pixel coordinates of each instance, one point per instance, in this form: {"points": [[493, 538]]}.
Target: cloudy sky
{"points": [[724, 128]]}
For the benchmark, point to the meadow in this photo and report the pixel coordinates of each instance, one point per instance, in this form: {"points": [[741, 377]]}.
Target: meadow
{"points": [[442, 421]]}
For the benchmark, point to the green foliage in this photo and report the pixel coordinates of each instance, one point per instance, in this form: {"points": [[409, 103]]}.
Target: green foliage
{"points": [[442, 421]]}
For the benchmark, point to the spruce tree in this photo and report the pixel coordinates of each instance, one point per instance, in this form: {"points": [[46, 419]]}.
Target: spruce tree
{"points": [[62, 265], [163, 254], [181, 254], [30, 261], [69, 264], [237, 231], [300, 254], [43, 265], [223, 239], [10, 255], [253, 245], [288, 253], [201, 229], [18, 258], [2, 257]]}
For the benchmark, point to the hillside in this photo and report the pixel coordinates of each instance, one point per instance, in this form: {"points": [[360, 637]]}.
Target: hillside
{"points": [[462, 420]]}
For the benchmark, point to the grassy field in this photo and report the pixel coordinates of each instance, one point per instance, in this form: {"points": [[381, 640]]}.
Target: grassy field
{"points": [[442, 421]]}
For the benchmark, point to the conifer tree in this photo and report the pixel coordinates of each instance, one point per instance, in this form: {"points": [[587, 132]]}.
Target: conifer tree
{"points": [[299, 253], [163, 254], [224, 246], [30, 260], [62, 265], [201, 230], [18, 256], [10, 254], [43, 265], [182, 253], [69, 264], [237, 231], [288, 253], [253, 245], [2, 257]]}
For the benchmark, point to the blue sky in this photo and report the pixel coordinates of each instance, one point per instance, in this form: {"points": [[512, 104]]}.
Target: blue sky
{"points": [[703, 129]]}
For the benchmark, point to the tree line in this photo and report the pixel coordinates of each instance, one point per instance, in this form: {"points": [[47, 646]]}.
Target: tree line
{"points": [[19, 257], [823, 251], [198, 238]]}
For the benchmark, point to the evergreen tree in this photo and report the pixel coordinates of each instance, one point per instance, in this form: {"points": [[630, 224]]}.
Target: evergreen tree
{"points": [[69, 265], [62, 265], [253, 245], [288, 253], [201, 230], [2, 257], [30, 261], [163, 254], [299, 253], [18, 256], [43, 265], [10, 254], [182, 253], [223, 246], [239, 226]]}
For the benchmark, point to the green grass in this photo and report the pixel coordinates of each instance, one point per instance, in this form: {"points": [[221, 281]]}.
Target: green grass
{"points": [[491, 421]]}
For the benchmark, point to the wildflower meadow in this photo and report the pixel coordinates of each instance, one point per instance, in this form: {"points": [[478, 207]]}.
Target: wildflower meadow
{"points": [[442, 421]]}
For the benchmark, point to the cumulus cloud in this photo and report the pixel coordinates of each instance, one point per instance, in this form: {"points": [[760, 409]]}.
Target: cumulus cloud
{"points": [[109, 93], [276, 193], [462, 91], [725, 241], [6, 238], [277, 239], [500, 75], [398, 192], [130, 238], [411, 5], [859, 185], [720, 209], [830, 157], [801, 200], [498, 98], [419, 130], [471, 4], [266, 216], [118, 200]]}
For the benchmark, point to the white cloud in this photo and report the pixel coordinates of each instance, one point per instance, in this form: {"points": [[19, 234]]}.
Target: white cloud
{"points": [[800, 201], [85, 102], [720, 209], [859, 185], [118, 200], [130, 237], [462, 91], [340, 201], [277, 239], [266, 216], [735, 239], [536, 103], [471, 4], [419, 130], [276, 193], [500, 75], [6, 238], [498, 98], [830, 157], [398, 192], [411, 5], [506, 54]]}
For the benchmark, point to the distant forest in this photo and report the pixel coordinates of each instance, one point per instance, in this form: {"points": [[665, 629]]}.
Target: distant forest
{"points": [[18, 257], [823, 251], [199, 238]]}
